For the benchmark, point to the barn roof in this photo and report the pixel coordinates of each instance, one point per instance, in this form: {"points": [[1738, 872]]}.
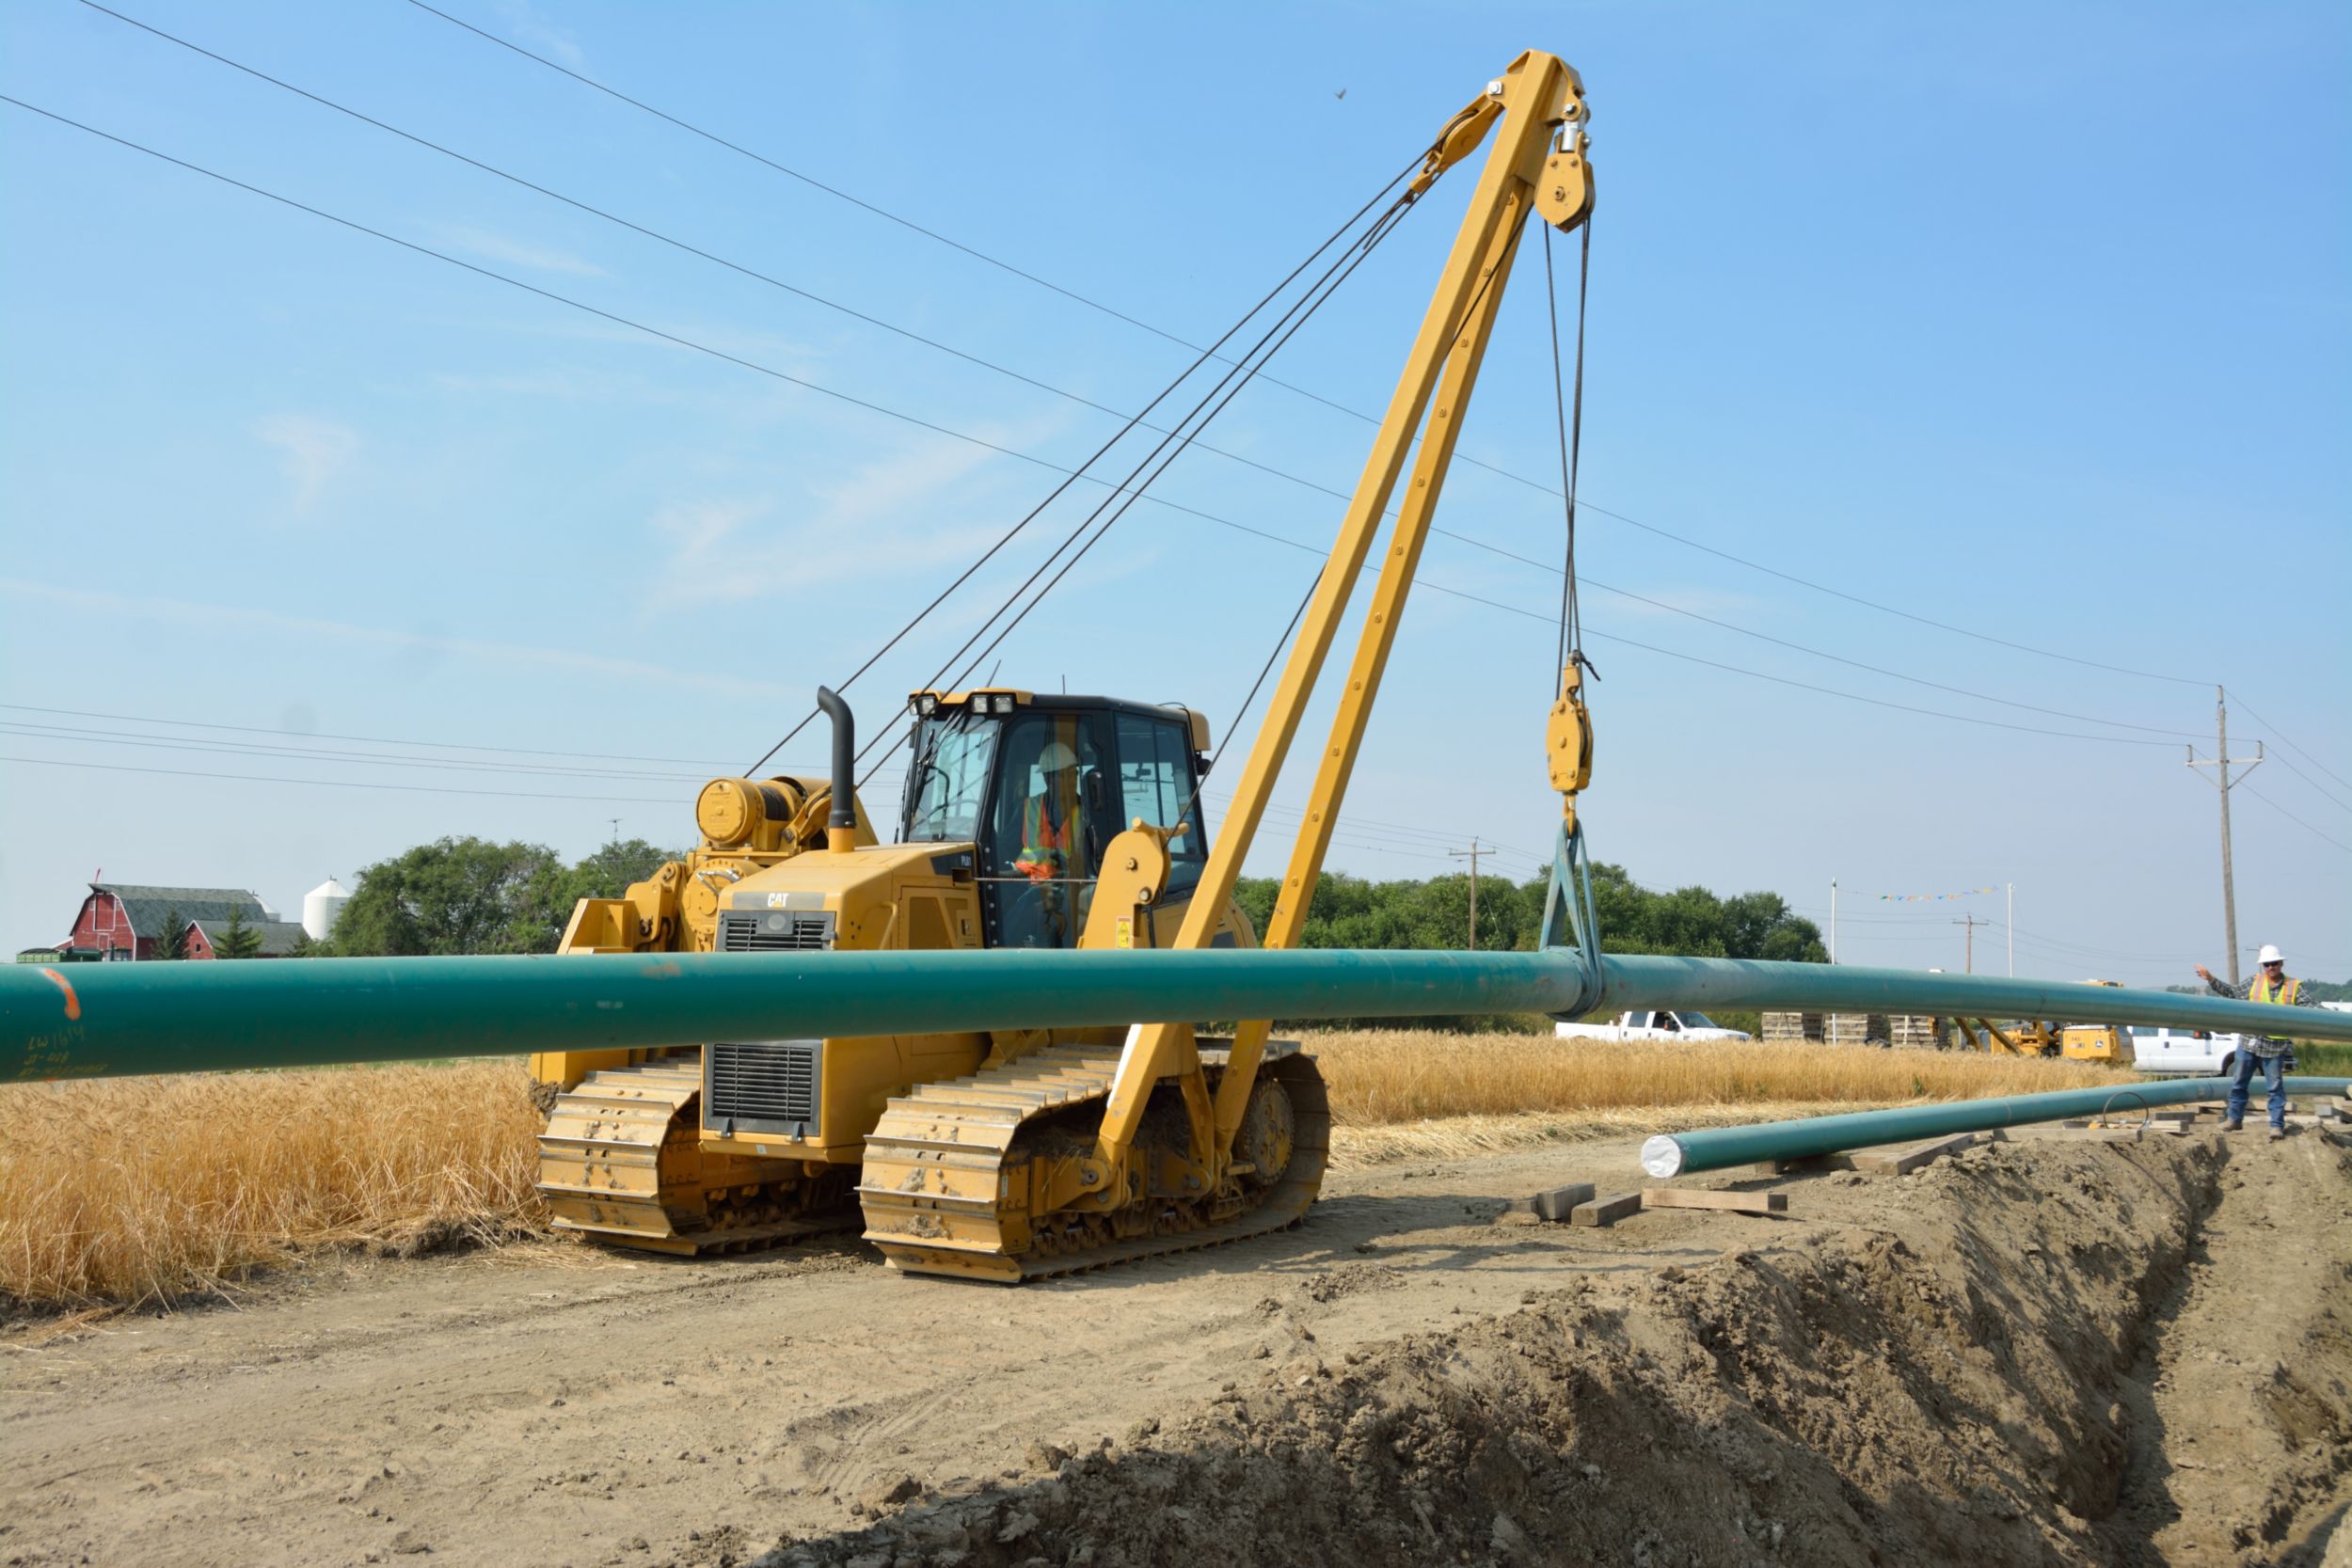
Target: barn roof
{"points": [[278, 936], [146, 907]]}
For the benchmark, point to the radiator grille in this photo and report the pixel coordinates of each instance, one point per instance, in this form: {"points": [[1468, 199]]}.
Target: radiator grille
{"points": [[763, 1086], [774, 930]]}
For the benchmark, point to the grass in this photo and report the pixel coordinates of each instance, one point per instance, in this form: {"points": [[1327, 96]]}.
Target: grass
{"points": [[149, 1192], [1412, 1075], [2323, 1059]]}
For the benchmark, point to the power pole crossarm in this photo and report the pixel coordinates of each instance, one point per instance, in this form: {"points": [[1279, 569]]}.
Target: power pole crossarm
{"points": [[2221, 762], [1969, 957], [1471, 855]]}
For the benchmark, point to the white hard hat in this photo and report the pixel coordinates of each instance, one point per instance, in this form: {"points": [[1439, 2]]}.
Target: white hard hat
{"points": [[1055, 757], [2269, 955]]}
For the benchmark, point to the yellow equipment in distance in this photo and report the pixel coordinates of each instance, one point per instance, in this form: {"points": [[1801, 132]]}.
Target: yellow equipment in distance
{"points": [[2075, 1042], [1007, 1156]]}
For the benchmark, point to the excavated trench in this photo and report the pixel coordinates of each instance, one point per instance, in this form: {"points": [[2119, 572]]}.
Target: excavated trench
{"points": [[2041, 1352]]}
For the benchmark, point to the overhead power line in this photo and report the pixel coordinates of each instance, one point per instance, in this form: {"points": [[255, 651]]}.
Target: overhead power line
{"points": [[936, 428], [1132, 420], [2291, 816], [335, 783], [2278, 735], [1093, 304], [365, 739]]}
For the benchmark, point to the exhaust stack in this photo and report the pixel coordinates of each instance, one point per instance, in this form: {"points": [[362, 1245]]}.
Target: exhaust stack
{"points": [[841, 817]]}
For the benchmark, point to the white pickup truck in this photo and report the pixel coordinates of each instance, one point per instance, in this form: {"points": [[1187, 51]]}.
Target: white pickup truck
{"points": [[1683, 1026], [2183, 1052]]}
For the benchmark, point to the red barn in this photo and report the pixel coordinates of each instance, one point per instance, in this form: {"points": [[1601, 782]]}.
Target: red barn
{"points": [[122, 922]]}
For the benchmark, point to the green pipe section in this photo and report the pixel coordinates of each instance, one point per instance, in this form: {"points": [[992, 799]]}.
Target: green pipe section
{"points": [[1704, 983], [88, 1021], [1685, 1153], [108, 1020]]}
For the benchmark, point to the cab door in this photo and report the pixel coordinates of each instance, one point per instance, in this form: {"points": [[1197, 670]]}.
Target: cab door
{"points": [[1156, 783]]}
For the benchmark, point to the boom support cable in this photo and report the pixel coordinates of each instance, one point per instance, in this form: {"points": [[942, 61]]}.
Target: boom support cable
{"points": [[1371, 240], [1196, 420], [1082, 469], [1571, 452]]}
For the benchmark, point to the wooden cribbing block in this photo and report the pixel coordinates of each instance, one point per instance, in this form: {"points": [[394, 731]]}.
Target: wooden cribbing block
{"points": [[1694, 1198], [1560, 1202], [1606, 1211], [1909, 1160]]}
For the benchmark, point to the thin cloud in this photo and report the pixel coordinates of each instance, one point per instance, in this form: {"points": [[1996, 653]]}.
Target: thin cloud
{"points": [[493, 247], [882, 518], [310, 451], [531, 28], [422, 645]]}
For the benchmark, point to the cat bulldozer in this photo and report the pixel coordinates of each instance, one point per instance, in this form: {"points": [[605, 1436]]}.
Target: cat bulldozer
{"points": [[1026, 822], [1030, 820]]}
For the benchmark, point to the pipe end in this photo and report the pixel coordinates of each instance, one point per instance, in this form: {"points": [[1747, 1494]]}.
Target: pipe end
{"points": [[1662, 1156]]}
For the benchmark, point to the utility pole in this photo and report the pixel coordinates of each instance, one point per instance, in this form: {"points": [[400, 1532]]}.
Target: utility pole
{"points": [[2008, 929], [1833, 919], [1972, 923], [2221, 762], [616, 828], [1471, 855]]}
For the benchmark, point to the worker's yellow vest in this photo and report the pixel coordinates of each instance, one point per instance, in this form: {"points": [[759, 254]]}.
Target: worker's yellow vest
{"points": [[2285, 992]]}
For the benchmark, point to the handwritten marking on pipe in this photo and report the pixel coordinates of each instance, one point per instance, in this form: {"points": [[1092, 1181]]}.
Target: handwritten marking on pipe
{"points": [[72, 1003]]}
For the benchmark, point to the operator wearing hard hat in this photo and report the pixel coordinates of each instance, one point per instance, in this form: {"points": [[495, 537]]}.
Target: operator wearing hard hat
{"points": [[1046, 815], [2270, 984]]}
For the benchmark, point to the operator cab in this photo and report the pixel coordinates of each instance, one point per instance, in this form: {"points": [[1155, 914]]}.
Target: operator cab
{"points": [[1040, 785]]}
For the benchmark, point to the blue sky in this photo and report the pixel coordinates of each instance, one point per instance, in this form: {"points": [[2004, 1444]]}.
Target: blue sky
{"points": [[2035, 323]]}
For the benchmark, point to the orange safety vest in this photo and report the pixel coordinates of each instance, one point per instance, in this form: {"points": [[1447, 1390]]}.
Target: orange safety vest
{"points": [[1043, 845]]}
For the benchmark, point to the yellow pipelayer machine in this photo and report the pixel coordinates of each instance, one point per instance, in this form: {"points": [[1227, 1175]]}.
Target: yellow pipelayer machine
{"points": [[1009, 1156]]}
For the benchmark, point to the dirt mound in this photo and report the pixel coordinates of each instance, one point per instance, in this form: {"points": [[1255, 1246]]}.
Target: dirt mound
{"points": [[1944, 1390]]}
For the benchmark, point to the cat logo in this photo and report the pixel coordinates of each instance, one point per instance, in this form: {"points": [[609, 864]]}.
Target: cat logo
{"points": [[776, 900]]}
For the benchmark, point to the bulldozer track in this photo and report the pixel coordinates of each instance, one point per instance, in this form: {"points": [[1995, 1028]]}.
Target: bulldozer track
{"points": [[947, 1158], [619, 1163]]}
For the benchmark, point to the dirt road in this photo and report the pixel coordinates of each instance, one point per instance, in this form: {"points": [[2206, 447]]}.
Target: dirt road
{"points": [[2012, 1350]]}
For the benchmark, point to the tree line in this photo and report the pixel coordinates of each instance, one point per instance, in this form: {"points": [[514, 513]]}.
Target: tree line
{"points": [[461, 895], [1690, 922]]}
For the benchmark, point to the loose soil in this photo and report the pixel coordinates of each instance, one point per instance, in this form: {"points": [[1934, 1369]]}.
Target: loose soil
{"points": [[2045, 1350]]}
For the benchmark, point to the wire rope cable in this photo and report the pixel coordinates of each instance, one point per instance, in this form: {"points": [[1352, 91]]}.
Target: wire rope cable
{"points": [[1007, 538], [1571, 641], [1230, 386]]}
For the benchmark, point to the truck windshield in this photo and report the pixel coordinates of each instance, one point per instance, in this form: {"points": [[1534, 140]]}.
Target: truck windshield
{"points": [[1695, 1021], [948, 782]]}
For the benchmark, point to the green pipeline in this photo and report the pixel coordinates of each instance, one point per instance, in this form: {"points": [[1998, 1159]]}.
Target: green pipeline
{"points": [[91, 1021], [1683, 1153]]}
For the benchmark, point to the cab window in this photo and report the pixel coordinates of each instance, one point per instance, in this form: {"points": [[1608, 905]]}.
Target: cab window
{"points": [[1155, 783], [1050, 816]]}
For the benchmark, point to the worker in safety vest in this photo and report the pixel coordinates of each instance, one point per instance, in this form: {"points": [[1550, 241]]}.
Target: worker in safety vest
{"points": [[1047, 834], [2273, 1051]]}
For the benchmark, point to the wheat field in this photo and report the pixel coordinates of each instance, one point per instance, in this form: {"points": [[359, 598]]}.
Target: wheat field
{"points": [[155, 1191]]}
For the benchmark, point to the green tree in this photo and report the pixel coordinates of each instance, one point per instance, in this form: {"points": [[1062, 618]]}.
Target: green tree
{"points": [[305, 946], [237, 938], [172, 941], [471, 895], [453, 895]]}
